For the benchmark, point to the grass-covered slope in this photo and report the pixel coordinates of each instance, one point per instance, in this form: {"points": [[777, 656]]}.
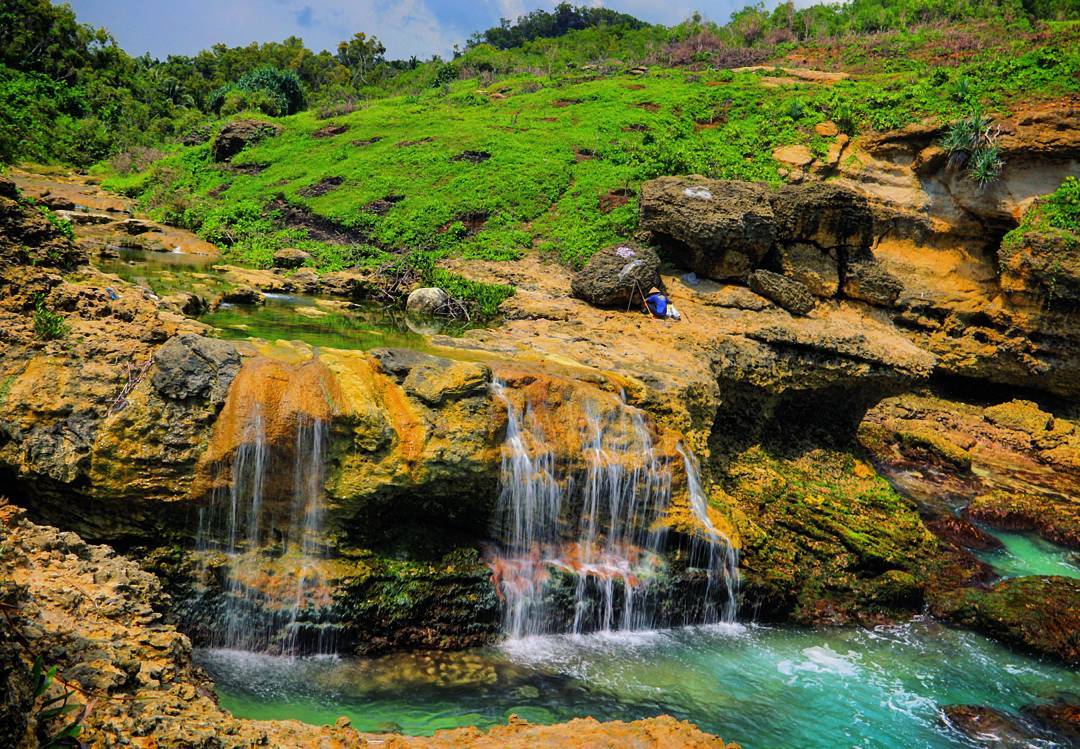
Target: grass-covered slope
{"points": [[554, 162]]}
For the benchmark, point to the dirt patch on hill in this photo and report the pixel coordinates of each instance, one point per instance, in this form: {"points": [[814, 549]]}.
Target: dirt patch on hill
{"points": [[474, 222], [609, 201], [318, 227], [323, 186], [360, 143], [473, 157], [330, 130], [408, 143], [383, 205]]}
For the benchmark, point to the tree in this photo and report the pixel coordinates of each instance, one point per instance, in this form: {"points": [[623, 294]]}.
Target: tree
{"points": [[361, 55]]}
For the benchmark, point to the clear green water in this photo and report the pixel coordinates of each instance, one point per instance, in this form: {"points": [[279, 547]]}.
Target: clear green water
{"points": [[283, 317], [1028, 554], [759, 686], [292, 317]]}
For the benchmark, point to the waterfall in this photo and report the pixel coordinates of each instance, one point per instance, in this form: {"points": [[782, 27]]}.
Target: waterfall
{"points": [[273, 588], [581, 538], [722, 565]]}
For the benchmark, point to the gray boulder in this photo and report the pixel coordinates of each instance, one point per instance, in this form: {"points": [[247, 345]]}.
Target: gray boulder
{"points": [[786, 292], [617, 276], [426, 301], [191, 366]]}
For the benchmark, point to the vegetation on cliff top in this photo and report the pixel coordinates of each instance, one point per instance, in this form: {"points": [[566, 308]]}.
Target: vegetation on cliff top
{"points": [[535, 136]]}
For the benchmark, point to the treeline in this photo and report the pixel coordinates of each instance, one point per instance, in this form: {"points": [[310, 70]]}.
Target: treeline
{"points": [[542, 24]]}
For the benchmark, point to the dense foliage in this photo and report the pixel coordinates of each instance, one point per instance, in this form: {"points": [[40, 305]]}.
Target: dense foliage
{"points": [[541, 24]]}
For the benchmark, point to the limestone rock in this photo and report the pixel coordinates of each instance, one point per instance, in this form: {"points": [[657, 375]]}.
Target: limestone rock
{"points": [[867, 281], [1038, 614], [1023, 416], [290, 257], [813, 267], [618, 276], [826, 129], [788, 293], [723, 228], [426, 301], [191, 366], [825, 214], [978, 722], [238, 135], [243, 295], [796, 156], [189, 303]]}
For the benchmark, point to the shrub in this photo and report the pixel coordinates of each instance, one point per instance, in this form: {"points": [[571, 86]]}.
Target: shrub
{"points": [[972, 142], [280, 92], [48, 325]]}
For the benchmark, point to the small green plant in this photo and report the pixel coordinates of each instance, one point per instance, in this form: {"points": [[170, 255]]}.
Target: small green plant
{"points": [[972, 142], [48, 325], [52, 708]]}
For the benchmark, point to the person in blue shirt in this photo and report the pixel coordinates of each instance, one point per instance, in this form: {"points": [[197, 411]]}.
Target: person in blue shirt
{"points": [[659, 306]]}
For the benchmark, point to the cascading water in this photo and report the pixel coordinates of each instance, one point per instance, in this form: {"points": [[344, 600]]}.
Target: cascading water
{"points": [[582, 538], [722, 567], [273, 587]]}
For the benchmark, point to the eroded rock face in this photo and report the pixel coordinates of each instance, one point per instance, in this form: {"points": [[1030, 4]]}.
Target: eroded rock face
{"points": [[1042, 268], [1011, 465], [238, 135], [724, 229], [1037, 614], [788, 293], [619, 276]]}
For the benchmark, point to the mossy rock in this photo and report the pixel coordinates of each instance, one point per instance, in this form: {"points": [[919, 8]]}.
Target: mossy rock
{"points": [[1037, 614], [829, 541], [1023, 416], [935, 445]]}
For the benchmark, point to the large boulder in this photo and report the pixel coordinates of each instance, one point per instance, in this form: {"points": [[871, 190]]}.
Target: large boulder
{"points": [[426, 301], [617, 276], [721, 229], [823, 213], [191, 366], [290, 257], [788, 293], [238, 135], [725, 229]]}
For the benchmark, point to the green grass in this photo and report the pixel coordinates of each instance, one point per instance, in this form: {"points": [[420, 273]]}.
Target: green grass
{"points": [[557, 145], [1058, 213]]}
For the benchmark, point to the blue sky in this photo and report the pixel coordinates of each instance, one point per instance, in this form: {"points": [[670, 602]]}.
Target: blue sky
{"points": [[406, 27]]}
